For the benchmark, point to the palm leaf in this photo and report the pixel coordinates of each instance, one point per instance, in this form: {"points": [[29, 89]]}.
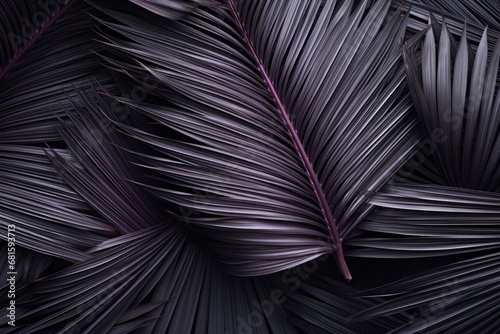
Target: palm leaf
{"points": [[19, 33], [268, 134], [476, 15], [34, 80], [96, 163], [171, 9], [30, 266], [463, 110], [458, 297], [151, 277], [156, 276], [422, 220], [50, 216], [265, 166], [480, 11], [322, 305], [429, 220], [86, 296]]}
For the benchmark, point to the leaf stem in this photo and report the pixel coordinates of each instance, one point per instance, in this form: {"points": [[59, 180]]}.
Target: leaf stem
{"points": [[313, 178], [55, 17]]}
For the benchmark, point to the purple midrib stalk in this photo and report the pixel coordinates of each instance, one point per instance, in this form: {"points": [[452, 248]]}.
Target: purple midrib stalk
{"points": [[35, 37], [313, 178]]}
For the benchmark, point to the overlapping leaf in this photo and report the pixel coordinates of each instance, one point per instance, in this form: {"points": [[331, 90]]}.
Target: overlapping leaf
{"points": [[51, 218], [429, 220], [156, 277], [282, 156], [483, 12], [275, 126], [456, 96], [323, 305], [476, 15], [460, 109], [157, 280], [97, 171], [33, 83], [171, 9], [459, 297]]}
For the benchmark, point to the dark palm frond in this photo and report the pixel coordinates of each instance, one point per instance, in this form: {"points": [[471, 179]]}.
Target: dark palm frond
{"points": [[30, 266], [483, 12], [92, 294], [97, 171], [461, 297], [429, 220], [478, 16], [33, 79], [267, 135], [155, 278], [50, 216], [322, 305], [204, 299], [283, 156], [23, 23], [457, 99], [459, 107], [172, 9]]}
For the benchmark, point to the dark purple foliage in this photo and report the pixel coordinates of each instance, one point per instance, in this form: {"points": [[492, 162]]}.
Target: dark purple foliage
{"points": [[250, 166]]}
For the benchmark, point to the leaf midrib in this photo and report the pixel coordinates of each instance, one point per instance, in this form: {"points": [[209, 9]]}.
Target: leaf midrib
{"points": [[313, 178], [32, 40]]}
